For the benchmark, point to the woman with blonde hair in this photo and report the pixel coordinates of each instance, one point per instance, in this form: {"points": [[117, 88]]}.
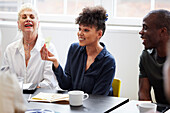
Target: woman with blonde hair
{"points": [[23, 57]]}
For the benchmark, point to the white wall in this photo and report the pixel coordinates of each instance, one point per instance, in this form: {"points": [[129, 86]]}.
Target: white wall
{"points": [[122, 42]]}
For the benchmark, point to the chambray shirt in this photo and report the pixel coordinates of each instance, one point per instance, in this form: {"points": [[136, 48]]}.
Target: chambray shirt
{"points": [[96, 80]]}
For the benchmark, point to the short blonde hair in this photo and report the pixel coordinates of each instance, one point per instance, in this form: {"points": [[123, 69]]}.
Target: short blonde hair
{"points": [[27, 6]]}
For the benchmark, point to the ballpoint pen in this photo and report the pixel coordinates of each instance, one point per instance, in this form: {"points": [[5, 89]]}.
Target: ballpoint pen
{"points": [[29, 98]]}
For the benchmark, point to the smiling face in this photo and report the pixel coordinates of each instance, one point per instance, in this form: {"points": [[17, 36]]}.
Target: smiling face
{"points": [[88, 35], [149, 33], [28, 21]]}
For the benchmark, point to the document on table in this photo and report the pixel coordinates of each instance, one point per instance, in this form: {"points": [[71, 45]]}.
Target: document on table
{"points": [[49, 97], [26, 86]]}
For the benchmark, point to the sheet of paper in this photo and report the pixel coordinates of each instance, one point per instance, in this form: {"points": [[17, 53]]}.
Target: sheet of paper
{"points": [[50, 97], [47, 41], [26, 86]]}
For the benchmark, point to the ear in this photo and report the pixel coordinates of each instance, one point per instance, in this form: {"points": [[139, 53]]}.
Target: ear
{"points": [[100, 33], [38, 23], [163, 31], [19, 27]]}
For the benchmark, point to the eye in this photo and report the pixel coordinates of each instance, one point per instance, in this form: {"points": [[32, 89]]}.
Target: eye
{"points": [[86, 30], [145, 27], [24, 16], [79, 29], [32, 16]]}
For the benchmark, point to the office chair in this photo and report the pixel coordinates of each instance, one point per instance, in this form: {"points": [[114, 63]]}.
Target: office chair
{"points": [[116, 87]]}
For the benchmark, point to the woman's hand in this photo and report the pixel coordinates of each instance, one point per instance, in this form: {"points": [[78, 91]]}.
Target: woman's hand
{"points": [[47, 55]]}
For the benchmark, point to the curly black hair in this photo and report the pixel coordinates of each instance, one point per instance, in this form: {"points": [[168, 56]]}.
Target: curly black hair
{"points": [[93, 16]]}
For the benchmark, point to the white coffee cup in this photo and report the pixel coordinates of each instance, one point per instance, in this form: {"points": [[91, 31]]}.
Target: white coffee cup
{"points": [[77, 97], [147, 107]]}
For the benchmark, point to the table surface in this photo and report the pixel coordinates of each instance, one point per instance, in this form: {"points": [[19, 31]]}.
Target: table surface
{"points": [[94, 104], [131, 107]]}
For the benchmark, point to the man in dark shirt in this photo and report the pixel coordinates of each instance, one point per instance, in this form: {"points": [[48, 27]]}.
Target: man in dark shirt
{"points": [[155, 35]]}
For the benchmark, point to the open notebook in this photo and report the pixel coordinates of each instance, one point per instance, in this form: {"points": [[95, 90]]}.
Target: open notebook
{"points": [[49, 97]]}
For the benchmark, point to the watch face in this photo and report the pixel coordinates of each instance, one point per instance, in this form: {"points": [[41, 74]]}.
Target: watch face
{"points": [[39, 111]]}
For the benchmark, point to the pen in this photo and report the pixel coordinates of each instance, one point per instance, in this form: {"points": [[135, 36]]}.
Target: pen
{"points": [[29, 98]]}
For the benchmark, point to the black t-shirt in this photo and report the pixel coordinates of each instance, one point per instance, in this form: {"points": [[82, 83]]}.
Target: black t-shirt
{"points": [[151, 67]]}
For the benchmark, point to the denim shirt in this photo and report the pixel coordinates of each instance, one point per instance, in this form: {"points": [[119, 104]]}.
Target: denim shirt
{"points": [[96, 80]]}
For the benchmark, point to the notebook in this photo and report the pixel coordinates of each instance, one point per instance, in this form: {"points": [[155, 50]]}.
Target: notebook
{"points": [[49, 97]]}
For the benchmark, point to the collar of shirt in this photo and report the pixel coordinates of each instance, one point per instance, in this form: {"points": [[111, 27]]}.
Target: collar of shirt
{"points": [[100, 55], [150, 51], [38, 45]]}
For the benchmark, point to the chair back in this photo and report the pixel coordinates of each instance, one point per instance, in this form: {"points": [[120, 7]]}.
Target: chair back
{"points": [[116, 87]]}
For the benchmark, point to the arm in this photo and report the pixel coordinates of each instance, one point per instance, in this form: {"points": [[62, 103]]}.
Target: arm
{"points": [[63, 79], [48, 75], [49, 79], [144, 84], [144, 89], [5, 62]]}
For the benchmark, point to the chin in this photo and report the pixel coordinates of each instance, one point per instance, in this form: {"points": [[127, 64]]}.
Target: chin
{"points": [[81, 44], [148, 47]]}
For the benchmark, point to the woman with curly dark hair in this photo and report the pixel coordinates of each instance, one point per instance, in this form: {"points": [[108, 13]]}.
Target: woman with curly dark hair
{"points": [[89, 67]]}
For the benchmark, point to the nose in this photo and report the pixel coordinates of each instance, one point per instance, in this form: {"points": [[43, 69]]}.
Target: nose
{"points": [[28, 19], [80, 32], [141, 32]]}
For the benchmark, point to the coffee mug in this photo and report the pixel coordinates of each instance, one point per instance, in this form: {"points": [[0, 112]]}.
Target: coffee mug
{"points": [[77, 97], [147, 107]]}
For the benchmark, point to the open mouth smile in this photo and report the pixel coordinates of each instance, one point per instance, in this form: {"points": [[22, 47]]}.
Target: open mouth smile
{"points": [[81, 39], [28, 25]]}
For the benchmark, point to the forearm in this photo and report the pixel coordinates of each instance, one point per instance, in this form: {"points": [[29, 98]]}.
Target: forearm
{"points": [[64, 80], [56, 63], [144, 89], [46, 84], [144, 96]]}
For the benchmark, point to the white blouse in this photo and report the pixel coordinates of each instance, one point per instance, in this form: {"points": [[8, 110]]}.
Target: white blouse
{"points": [[37, 70]]}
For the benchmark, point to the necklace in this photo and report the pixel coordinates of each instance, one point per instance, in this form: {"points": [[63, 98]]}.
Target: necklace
{"points": [[27, 50]]}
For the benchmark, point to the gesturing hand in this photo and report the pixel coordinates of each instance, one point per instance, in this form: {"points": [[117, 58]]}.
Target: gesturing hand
{"points": [[47, 55]]}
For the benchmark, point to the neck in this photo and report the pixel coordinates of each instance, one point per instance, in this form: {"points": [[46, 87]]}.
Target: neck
{"points": [[29, 39], [91, 50], [162, 51]]}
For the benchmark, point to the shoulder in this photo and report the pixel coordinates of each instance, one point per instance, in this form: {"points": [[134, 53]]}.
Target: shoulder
{"points": [[75, 45], [147, 53], [110, 58], [12, 46], [107, 55]]}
